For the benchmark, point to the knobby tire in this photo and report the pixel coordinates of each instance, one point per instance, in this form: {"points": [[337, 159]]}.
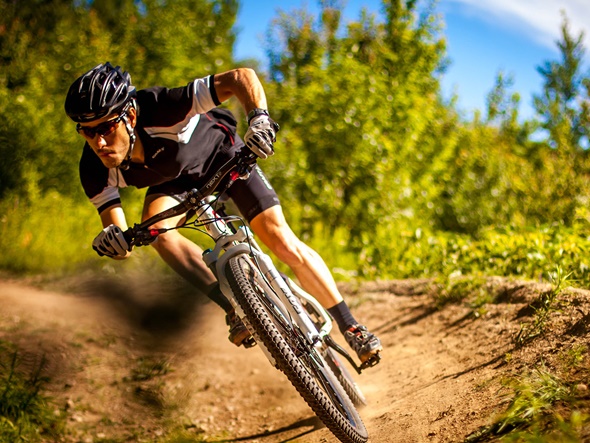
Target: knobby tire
{"points": [[345, 378], [311, 376]]}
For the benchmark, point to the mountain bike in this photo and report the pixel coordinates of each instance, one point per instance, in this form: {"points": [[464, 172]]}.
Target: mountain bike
{"points": [[289, 325]]}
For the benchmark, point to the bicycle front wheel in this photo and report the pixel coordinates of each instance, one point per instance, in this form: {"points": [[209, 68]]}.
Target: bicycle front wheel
{"points": [[303, 365], [345, 378]]}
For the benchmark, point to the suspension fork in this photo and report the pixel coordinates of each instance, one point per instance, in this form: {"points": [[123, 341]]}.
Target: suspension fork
{"points": [[326, 320], [242, 242], [288, 298]]}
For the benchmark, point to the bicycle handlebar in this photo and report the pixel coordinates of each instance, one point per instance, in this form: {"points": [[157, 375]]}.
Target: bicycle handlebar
{"points": [[238, 166]]}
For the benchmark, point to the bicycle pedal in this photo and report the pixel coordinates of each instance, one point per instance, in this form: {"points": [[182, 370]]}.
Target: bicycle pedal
{"points": [[372, 361]]}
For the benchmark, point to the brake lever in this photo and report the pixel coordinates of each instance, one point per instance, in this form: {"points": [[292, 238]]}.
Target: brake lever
{"points": [[142, 237], [244, 167]]}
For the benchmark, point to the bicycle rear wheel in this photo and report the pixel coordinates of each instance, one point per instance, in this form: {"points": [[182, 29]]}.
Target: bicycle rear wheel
{"points": [[303, 365]]}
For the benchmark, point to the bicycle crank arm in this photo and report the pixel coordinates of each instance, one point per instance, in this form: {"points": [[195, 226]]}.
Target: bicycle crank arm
{"points": [[375, 359], [330, 342]]}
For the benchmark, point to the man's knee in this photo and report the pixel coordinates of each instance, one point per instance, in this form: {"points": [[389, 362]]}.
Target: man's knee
{"points": [[276, 233], [167, 242]]}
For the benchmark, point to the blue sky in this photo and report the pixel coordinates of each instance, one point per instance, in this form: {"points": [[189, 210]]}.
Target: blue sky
{"points": [[483, 38]]}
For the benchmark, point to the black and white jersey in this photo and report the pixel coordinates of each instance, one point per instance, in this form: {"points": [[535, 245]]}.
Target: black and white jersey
{"points": [[182, 132]]}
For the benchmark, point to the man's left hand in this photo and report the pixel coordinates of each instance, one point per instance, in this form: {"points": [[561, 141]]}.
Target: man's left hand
{"points": [[261, 136], [111, 242]]}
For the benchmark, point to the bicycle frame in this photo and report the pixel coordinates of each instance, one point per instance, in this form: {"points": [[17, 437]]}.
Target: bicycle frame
{"points": [[286, 296], [229, 244]]}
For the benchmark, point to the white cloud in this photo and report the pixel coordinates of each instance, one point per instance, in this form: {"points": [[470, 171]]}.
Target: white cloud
{"points": [[539, 20]]}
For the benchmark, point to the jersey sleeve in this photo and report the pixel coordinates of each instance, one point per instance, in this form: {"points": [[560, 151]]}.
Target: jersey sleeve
{"points": [[204, 94], [108, 197], [100, 184], [175, 113], [167, 105]]}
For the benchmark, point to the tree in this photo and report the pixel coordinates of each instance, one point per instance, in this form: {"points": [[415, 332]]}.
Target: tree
{"points": [[563, 105], [354, 107]]}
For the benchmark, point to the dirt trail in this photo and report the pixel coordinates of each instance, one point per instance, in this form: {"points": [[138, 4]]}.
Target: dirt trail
{"points": [[127, 362]]}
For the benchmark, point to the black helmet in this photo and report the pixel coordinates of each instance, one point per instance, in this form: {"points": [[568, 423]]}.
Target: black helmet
{"points": [[101, 91]]}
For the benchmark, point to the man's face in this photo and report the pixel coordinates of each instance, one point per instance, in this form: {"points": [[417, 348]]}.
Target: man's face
{"points": [[111, 140]]}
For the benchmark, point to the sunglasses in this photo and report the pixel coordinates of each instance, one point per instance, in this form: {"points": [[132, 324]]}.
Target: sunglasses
{"points": [[104, 129]]}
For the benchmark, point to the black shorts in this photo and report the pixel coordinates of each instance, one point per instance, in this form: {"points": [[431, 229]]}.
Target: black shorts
{"points": [[251, 196]]}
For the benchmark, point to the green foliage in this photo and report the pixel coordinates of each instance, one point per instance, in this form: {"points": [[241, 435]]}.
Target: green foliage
{"points": [[362, 116], [531, 416], [37, 235], [574, 356], [533, 395], [52, 233], [25, 413], [373, 167], [530, 252], [353, 109], [568, 430]]}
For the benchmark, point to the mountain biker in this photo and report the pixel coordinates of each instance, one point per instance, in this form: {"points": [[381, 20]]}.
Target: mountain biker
{"points": [[173, 140]]}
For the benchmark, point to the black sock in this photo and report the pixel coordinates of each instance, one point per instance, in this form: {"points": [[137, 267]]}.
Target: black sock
{"points": [[343, 316], [215, 294]]}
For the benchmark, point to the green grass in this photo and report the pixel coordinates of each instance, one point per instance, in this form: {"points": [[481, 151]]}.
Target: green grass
{"points": [[47, 235], [534, 394], [543, 307], [26, 414], [541, 406], [564, 430], [574, 356], [531, 414], [52, 234], [532, 253]]}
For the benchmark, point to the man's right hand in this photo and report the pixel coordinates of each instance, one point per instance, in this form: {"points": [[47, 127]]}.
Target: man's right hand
{"points": [[111, 242]]}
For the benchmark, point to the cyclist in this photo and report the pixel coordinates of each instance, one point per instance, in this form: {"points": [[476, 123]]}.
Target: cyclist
{"points": [[171, 141]]}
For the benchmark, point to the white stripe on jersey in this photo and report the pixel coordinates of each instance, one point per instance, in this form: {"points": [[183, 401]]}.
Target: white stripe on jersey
{"points": [[183, 130], [111, 191], [116, 178]]}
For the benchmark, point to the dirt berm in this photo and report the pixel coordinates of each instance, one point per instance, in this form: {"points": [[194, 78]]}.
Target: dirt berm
{"points": [[135, 360]]}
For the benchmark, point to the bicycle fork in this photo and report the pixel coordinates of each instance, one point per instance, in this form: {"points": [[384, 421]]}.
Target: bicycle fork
{"points": [[278, 291]]}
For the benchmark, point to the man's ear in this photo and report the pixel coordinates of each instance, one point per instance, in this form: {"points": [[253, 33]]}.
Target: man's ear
{"points": [[132, 113]]}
